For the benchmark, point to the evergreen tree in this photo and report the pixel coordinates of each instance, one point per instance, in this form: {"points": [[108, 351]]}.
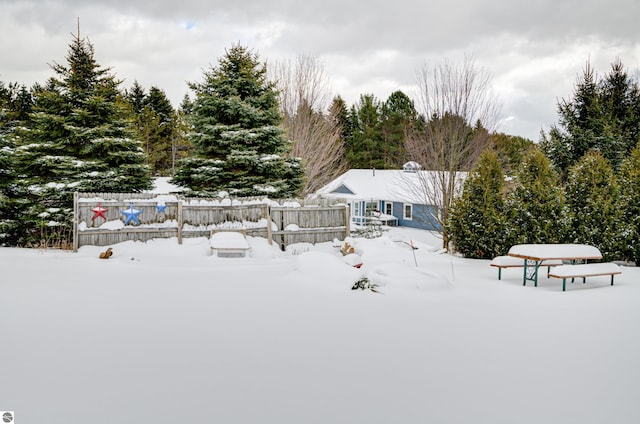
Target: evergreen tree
{"points": [[630, 206], [157, 124], [180, 146], [240, 148], [364, 148], [135, 97], [339, 117], [7, 148], [592, 201], [79, 139], [477, 220], [535, 207], [602, 115], [398, 120], [7, 182], [186, 106], [620, 97], [16, 104], [511, 150]]}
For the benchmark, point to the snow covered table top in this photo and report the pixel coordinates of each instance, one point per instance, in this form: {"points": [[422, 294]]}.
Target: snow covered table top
{"points": [[540, 252], [228, 240]]}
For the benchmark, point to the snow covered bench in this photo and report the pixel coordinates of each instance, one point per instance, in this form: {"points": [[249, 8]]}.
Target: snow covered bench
{"points": [[585, 270], [501, 262], [229, 244]]}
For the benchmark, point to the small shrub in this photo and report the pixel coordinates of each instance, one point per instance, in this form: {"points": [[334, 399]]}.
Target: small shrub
{"points": [[365, 284]]}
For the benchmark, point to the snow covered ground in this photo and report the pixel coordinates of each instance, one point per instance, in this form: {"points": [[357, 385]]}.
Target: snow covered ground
{"points": [[163, 333]]}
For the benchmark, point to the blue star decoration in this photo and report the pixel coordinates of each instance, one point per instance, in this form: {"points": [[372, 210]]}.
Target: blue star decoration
{"points": [[131, 215], [161, 207]]}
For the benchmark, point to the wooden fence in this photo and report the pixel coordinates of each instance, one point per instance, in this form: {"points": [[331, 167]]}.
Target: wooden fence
{"points": [[102, 219]]}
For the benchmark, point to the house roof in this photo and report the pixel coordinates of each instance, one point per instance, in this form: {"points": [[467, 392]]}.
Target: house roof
{"points": [[382, 184]]}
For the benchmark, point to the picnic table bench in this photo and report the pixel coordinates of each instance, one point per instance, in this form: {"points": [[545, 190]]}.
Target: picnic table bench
{"points": [[533, 255], [585, 270], [501, 262]]}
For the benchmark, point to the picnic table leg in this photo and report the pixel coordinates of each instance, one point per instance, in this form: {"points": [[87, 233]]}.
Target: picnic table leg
{"points": [[531, 272], [564, 284], [499, 273], [612, 279]]}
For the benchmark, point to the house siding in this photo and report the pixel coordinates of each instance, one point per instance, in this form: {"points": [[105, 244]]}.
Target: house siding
{"points": [[422, 217]]}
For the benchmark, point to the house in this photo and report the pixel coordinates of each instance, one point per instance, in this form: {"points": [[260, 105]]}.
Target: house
{"points": [[404, 197]]}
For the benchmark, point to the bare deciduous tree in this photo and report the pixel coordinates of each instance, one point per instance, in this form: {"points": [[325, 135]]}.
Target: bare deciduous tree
{"points": [[304, 97], [460, 112]]}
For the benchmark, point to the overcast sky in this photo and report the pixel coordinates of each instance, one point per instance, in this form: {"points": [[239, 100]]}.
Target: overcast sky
{"points": [[534, 49]]}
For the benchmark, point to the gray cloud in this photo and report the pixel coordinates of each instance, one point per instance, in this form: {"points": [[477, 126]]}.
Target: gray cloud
{"points": [[534, 49]]}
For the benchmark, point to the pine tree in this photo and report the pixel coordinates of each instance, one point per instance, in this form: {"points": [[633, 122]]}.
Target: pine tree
{"points": [[16, 104], [620, 97], [79, 139], [477, 220], [535, 207], [398, 120], [592, 201], [364, 145], [602, 115], [7, 180], [7, 147], [511, 150], [630, 206], [157, 124], [240, 148], [135, 97], [339, 116]]}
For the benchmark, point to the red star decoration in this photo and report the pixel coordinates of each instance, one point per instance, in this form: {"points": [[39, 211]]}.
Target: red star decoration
{"points": [[99, 212]]}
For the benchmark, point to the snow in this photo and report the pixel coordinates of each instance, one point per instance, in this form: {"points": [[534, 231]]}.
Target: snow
{"points": [[512, 261], [164, 333], [163, 185], [555, 251], [228, 240], [385, 184], [586, 269]]}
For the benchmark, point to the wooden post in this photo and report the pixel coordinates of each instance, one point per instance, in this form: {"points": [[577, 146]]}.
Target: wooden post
{"points": [[75, 212], [180, 223], [269, 235], [347, 217]]}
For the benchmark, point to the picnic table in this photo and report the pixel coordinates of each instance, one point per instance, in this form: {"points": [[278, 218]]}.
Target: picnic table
{"points": [[229, 244], [534, 254]]}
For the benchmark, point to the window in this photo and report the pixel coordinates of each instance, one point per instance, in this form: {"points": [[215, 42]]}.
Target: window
{"points": [[356, 209], [370, 208], [388, 208], [408, 211]]}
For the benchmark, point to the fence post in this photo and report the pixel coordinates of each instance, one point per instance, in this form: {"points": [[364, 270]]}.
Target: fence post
{"points": [[180, 220], [347, 224], [75, 221], [269, 234]]}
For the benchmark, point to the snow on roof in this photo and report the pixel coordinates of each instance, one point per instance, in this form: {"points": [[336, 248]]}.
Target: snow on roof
{"points": [[393, 185]]}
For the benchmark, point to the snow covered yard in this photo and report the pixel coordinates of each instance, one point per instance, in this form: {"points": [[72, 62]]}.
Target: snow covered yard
{"points": [[162, 333]]}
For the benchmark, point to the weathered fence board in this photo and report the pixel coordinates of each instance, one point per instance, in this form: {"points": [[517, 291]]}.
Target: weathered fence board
{"points": [[100, 218]]}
